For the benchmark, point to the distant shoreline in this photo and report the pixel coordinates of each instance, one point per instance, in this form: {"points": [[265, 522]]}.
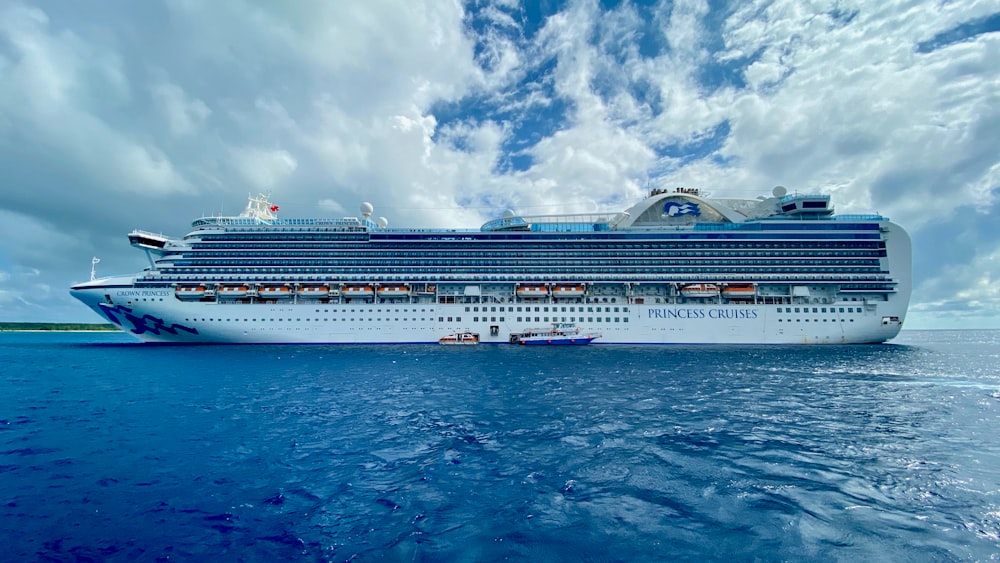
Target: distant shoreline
{"points": [[57, 327]]}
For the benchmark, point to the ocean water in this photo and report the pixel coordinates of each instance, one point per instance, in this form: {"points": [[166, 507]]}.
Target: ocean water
{"points": [[111, 450]]}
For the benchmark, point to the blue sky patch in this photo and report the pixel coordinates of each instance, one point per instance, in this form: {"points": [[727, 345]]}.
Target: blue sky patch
{"points": [[963, 32]]}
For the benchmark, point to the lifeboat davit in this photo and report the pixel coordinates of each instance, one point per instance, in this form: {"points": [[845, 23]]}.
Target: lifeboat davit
{"points": [[232, 291], [314, 292], [532, 291], [190, 292], [739, 291], [357, 291], [274, 292], [567, 291], [700, 290], [393, 291]]}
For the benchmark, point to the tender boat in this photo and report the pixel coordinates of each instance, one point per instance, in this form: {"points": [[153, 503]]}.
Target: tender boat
{"points": [[700, 290], [274, 292], [560, 334], [393, 291], [739, 291], [190, 292], [532, 291], [232, 291], [460, 339], [314, 292], [564, 291], [357, 291]]}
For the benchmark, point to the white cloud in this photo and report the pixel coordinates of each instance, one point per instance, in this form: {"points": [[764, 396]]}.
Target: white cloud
{"points": [[264, 169], [184, 114], [57, 91]]}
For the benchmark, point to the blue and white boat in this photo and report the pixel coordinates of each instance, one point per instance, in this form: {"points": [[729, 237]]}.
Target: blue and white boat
{"points": [[559, 334], [677, 267]]}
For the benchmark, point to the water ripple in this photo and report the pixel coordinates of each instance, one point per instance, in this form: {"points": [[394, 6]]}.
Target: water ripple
{"points": [[419, 453]]}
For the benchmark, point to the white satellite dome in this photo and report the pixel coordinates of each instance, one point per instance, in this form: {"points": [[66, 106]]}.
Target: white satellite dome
{"points": [[382, 222], [509, 214], [779, 191], [367, 209]]}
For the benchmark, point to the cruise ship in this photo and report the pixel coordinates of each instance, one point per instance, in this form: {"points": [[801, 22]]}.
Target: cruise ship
{"points": [[679, 267]]}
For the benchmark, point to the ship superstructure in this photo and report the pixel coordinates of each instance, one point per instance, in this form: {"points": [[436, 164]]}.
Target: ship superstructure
{"points": [[678, 267]]}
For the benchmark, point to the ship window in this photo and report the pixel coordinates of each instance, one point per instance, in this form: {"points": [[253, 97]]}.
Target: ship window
{"points": [[624, 319], [520, 320]]}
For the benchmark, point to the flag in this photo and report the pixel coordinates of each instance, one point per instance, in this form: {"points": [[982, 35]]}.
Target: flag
{"points": [[274, 209]]}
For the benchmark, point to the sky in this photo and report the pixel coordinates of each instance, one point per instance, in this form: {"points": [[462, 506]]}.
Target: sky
{"points": [[118, 115]]}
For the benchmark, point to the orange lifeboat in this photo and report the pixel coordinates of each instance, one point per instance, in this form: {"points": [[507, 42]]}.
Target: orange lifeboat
{"points": [[232, 291], [350, 291], [700, 290], [393, 291], [532, 291], [561, 291], [314, 292], [739, 291], [190, 292], [274, 292]]}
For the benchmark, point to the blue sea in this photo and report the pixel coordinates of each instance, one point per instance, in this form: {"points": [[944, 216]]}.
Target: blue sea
{"points": [[116, 451]]}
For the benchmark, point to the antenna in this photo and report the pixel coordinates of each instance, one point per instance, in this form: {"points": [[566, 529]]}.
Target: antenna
{"points": [[93, 267]]}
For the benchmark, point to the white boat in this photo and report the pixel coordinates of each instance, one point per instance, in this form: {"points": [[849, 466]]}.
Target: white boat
{"points": [[232, 291], [460, 339], [567, 291], [676, 267], [532, 291], [274, 292], [313, 292], [390, 291], [696, 290], [357, 291], [190, 292]]}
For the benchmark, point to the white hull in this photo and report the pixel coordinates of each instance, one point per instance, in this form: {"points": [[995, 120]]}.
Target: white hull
{"points": [[155, 315]]}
